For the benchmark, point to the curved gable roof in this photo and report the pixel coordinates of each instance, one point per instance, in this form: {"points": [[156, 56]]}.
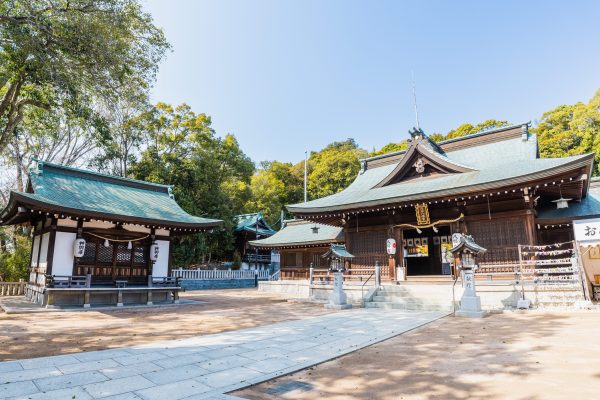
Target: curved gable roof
{"points": [[63, 190]]}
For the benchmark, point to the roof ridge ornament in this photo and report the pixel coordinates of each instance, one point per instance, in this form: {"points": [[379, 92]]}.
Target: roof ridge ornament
{"points": [[417, 133]]}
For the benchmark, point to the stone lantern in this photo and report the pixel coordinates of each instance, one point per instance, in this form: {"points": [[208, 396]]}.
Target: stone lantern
{"points": [[338, 258], [465, 252]]}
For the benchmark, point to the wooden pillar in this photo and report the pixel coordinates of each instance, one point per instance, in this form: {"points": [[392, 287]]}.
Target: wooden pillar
{"points": [[392, 267], [530, 226]]}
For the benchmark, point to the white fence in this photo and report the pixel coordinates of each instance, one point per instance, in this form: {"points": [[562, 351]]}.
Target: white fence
{"points": [[214, 274], [12, 288]]}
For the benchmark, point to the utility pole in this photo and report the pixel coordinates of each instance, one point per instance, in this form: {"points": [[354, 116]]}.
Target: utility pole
{"points": [[305, 179]]}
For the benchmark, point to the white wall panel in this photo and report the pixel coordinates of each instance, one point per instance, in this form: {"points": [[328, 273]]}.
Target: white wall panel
{"points": [[62, 262]]}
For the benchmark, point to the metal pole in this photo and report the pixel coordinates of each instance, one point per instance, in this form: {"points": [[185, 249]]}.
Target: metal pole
{"points": [[256, 248], [305, 180]]}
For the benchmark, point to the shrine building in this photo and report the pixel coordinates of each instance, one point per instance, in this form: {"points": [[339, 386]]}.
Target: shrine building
{"points": [[492, 185], [99, 239]]}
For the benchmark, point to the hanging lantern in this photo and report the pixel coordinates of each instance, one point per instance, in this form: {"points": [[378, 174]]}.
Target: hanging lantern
{"points": [[106, 244], [129, 245], [79, 247], [154, 250], [561, 202]]}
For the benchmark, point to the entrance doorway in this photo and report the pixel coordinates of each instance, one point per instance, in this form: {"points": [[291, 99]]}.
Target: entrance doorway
{"points": [[427, 252]]}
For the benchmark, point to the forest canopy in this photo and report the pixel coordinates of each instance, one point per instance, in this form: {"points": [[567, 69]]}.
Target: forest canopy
{"points": [[74, 89]]}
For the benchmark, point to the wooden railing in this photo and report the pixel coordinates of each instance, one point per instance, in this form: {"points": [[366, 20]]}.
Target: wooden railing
{"points": [[208, 274], [12, 288]]}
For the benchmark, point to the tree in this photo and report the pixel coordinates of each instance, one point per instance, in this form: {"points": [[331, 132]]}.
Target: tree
{"points": [[334, 168], [68, 54], [273, 186], [468, 129], [48, 136], [125, 133], [14, 255], [571, 130], [390, 148], [183, 150], [462, 130]]}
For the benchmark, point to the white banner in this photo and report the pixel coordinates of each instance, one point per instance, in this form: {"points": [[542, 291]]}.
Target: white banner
{"points": [[587, 230]]}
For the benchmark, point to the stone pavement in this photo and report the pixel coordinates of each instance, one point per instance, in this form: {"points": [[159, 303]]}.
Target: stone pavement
{"points": [[204, 367]]}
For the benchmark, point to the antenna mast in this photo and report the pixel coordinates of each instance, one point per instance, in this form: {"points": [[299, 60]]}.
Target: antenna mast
{"points": [[415, 99]]}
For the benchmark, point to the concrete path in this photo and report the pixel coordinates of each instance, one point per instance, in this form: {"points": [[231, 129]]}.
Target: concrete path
{"points": [[204, 367]]}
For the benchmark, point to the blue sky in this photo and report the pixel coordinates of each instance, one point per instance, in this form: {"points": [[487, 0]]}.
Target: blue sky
{"points": [[285, 76]]}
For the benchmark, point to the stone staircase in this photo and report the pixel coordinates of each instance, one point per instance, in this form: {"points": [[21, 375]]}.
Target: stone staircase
{"points": [[402, 298]]}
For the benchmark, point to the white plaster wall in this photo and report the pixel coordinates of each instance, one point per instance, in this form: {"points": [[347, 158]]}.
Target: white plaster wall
{"points": [[161, 266], [36, 249], [67, 222], [62, 261], [44, 251]]}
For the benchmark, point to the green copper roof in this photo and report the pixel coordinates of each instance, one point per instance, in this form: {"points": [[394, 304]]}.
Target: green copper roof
{"points": [[62, 190], [496, 174], [254, 223], [337, 251], [298, 233], [588, 207]]}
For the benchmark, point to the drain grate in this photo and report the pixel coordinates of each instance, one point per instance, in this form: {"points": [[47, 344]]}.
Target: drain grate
{"points": [[289, 386]]}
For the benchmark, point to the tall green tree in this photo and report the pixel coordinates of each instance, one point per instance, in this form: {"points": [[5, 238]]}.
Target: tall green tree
{"points": [[274, 185], [183, 150], [571, 130], [71, 54], [334, 168]]}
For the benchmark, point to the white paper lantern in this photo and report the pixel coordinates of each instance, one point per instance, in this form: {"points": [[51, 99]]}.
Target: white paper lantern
{"points": [[154, 252], [390, 245], [79, 247]]}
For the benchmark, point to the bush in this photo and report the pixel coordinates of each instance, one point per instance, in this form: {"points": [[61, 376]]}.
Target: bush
{"points": [[15, 255]]}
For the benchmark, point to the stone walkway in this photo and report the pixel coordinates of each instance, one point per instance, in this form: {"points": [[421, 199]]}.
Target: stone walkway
{"points": [[204, 367]]}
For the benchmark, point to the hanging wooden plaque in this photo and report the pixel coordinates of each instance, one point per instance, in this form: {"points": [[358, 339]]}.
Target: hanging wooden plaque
{"points": [[422, 212]]}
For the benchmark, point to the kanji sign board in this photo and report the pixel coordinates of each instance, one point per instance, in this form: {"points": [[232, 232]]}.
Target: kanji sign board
{"points": [[587, 230]]}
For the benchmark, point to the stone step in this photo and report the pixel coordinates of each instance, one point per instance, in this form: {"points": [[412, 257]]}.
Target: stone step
{"points": [[410, 299], [400, 306]]}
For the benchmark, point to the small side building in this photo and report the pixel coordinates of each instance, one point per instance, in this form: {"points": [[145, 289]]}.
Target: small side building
{"points": [[99, 239], [252, 227], [301, 243]]}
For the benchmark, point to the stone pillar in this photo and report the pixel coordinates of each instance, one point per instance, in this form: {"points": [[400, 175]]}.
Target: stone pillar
{"points": [[337, 299], [311, 274], [470, 303], [120, 298], [86, 299], [377, 274]]}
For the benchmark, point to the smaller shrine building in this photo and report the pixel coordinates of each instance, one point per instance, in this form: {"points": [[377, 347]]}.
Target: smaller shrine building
{"points": [[99, 239]]}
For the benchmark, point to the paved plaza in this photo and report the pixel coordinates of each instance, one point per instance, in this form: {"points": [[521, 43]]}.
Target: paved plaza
{"points": [[204, 367]]}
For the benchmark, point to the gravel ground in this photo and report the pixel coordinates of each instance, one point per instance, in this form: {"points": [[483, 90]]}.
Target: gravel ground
{"points": [[526, 356], [53, 333]]}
